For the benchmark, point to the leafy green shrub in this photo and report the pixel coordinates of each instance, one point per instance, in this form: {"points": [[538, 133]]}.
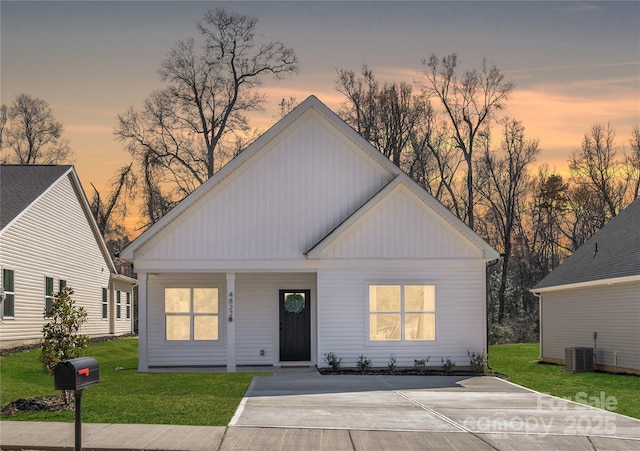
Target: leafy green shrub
{"points": [[61, 340], [333, 361], [363, 364]]}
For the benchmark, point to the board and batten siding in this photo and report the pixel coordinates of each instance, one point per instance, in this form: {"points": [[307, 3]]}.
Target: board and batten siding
{"points": [[342, 312], [401, 226], [53, 238], [278, 204], [570, 316]]}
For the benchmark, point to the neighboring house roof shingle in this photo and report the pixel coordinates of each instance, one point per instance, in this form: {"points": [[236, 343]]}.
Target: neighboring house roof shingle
{"points": [[20, 185], [617, 254]]}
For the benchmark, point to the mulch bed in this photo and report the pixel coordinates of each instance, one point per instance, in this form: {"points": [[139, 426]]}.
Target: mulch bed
{"points": [[406, 372], [36, 404]]}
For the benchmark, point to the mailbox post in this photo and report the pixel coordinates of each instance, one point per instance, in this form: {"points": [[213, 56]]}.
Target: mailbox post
{"points": [[76, 375]]}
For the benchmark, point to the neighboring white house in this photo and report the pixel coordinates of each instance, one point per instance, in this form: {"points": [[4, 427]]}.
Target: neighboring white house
{"points": [[309, 242], [48, 240], [597, 289]]}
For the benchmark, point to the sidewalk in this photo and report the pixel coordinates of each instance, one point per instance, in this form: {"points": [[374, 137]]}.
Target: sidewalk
{"points": [[21, 435]]}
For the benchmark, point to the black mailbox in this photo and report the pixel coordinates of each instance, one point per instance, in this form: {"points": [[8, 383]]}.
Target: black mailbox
{"points": [[76, 374]]}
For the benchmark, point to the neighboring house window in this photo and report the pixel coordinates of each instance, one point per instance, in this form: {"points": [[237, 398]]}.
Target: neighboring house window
{"points": [[191, 313], [62, 284], [128, 305], [402, 312], [8, 286], [118, 304], [105, 304], [48, 293]]}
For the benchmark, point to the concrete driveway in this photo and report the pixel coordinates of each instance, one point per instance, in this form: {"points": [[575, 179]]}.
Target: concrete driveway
{"points": [[459, 412]]}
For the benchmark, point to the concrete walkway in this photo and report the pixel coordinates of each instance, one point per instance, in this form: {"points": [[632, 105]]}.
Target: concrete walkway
{"points": [[301, 410]]}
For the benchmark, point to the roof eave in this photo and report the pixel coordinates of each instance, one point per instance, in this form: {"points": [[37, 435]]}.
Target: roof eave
{"points": [[587, 284]]}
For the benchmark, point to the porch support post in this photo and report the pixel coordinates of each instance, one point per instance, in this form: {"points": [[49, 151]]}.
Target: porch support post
{"points": [[231, 322], [143, 365]]}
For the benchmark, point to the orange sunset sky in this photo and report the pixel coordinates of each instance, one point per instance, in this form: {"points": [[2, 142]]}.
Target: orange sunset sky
{"points": [[574, 63]]}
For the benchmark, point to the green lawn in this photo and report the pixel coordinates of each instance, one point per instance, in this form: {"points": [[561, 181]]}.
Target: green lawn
{"points": [[520, 363], [126, 396]]}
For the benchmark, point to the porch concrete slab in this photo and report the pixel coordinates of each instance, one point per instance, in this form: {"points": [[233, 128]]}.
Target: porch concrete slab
{"points": [[246, 438], [416, 441], [615, 444]]}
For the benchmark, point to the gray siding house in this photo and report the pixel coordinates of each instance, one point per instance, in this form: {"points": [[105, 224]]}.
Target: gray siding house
{"points": [[48, 240], [597, 289]]}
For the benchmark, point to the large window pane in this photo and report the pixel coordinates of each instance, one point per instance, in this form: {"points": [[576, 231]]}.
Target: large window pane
{"points": [[178, 327], [177, 300], [384, 298], [420, 298], [205, 300], [205, 327], [420, 326], [385, 327]]}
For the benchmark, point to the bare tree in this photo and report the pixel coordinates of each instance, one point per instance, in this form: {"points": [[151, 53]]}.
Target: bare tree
{"points": [[385, 115], [632, 162], [185, 131], [597, 168], [110, 213], [470, 102], [502, 186], [31, 133]]}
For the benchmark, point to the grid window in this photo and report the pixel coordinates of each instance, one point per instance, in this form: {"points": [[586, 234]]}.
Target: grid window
{"points": [[402, 312], [118, 304], [191, 313]]}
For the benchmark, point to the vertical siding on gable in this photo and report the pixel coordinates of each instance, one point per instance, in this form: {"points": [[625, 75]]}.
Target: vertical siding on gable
{"points": [[53, 238], [279, 204], [401, 226], [569, 318], [460, 312]]}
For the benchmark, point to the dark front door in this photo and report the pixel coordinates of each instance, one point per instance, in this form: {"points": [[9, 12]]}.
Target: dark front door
{"points": [[295, 325]]}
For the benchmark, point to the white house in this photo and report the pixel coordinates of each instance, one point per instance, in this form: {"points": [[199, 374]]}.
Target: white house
{"points": [[596, 290], [309, 242], [48, 240]]}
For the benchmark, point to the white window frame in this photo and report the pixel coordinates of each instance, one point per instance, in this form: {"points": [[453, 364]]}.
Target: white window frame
{"points": [[402, 313], [105, 303], [49, 297], [128, 304], [118, 304], [5, 293], [191, 314]]}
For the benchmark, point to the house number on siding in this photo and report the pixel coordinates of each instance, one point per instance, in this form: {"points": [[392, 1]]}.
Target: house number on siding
{"points": [[231, 306]]}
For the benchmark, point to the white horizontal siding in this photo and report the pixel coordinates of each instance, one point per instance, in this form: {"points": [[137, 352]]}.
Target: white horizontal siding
{"points": [[279, 203], [401, 226], [460, 312], [183, 353], [53, 238], [257, 314], [569, 318]]}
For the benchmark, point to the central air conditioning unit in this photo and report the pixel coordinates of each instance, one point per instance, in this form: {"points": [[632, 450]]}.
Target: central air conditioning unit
{"points": [[578, 360]]}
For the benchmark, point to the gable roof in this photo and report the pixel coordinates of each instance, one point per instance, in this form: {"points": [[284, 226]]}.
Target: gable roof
{"points": [[370, 153], [22, 185], [611, 253], [398, 184]]}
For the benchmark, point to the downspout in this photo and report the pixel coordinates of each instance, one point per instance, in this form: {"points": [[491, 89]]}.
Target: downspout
{"points": [[486, 290], [539, 296]]}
